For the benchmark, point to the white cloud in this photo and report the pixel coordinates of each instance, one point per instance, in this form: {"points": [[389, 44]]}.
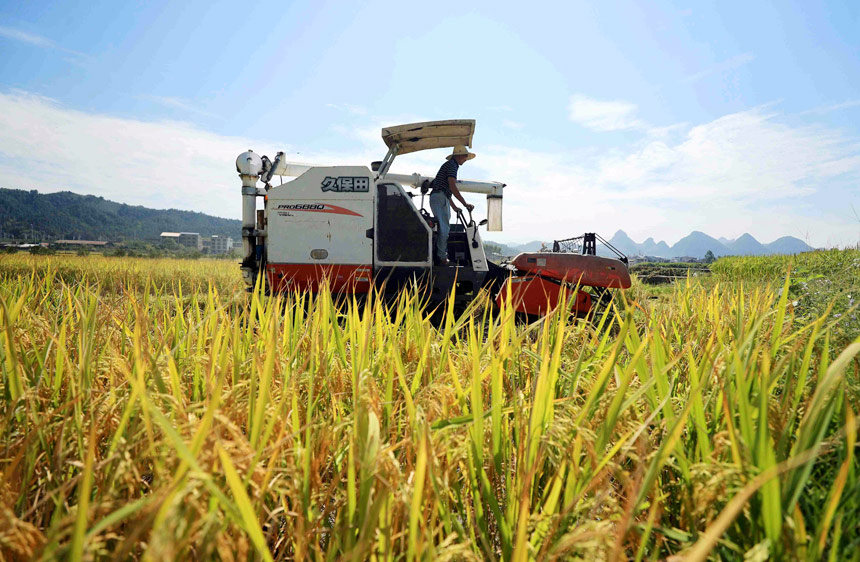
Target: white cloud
{"points": [[744, 172], [510, 124], [748, 155], [728, 65], [35, 40], [178, 103], [600, 115], [828, 108], [349, 108], [25, 37], [160, 164]]}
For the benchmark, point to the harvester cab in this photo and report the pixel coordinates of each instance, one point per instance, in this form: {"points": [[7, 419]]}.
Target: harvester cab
{"points": [[355, 228]]}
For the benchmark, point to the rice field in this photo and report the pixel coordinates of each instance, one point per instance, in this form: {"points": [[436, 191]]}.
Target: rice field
{"points": [[154, 410]]}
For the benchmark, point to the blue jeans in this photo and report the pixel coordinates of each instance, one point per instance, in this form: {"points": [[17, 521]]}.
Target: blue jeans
{"points": [[441, 208]]}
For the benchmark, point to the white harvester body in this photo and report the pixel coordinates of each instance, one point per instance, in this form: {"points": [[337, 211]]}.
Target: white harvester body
{"points": [[351, 226]]}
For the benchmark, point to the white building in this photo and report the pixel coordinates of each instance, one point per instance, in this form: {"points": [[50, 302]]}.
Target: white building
{"points": [[217, 244], [188, 239]]}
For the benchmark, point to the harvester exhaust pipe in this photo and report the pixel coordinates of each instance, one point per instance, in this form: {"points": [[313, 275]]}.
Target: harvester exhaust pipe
{"points": [[249, 165]]}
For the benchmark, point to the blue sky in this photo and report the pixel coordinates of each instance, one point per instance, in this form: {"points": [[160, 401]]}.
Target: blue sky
{"points": [[657, 118]]}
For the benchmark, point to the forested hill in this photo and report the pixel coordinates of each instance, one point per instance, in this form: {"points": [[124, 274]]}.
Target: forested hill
{"points": [[87, 217]]}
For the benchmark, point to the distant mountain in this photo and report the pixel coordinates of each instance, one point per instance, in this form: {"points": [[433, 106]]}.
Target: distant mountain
{"points": [[647, 247], [624, 243], [504, 250], [696, 244], [787, 245], [533, 246], [746, 245], [651, 248], [662, 249], [65, 214]]}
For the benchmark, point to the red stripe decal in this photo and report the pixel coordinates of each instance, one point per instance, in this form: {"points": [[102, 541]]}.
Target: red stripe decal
{"points": [[317, 208]]}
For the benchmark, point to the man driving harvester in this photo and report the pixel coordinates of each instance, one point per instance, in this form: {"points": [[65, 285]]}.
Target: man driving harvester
{"points": [[444, 187]]}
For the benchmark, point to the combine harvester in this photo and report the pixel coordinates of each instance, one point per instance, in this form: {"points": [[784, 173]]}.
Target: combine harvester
{"points": [[355, 228]]}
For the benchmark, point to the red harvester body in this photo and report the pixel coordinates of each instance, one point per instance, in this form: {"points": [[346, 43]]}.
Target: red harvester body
{"points": [[542, 277]]}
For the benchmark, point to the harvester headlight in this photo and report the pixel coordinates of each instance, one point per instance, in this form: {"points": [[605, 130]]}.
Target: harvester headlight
{"points": [[249, 164]]}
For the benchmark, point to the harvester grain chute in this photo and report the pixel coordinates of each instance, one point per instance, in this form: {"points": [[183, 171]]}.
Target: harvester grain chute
{"points": [[355, 228]]}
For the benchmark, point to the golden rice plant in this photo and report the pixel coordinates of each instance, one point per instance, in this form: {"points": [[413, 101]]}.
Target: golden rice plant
{"points": [[153, 409]]}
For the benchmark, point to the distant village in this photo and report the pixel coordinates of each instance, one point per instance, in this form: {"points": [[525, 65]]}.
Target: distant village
{"points": [[190, 242], [211, 245]]}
